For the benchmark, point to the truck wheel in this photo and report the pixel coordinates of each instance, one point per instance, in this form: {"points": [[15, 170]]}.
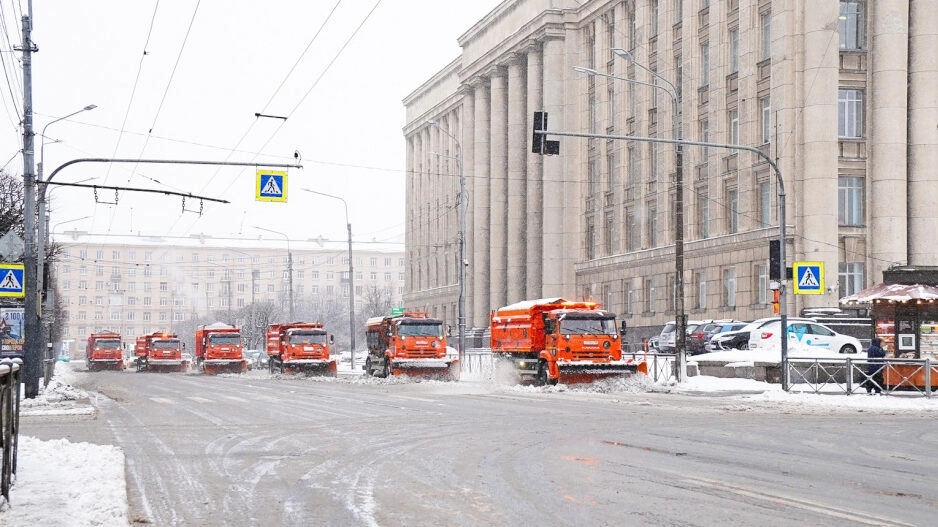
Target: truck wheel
{"points": [[386, 373], [367, 367], [543, 375]]}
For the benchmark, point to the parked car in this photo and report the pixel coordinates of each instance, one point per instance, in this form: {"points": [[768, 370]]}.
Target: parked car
{"points": [[667, 338], [804, 336], [739, 339], [698, 337], [253, 358], [719, 330]]}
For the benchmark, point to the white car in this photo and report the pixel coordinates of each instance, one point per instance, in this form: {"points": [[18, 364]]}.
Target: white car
{"points": [[805, 337], [739, 339]]}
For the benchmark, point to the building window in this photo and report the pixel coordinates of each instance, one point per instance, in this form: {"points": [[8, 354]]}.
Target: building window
{"points": [[650, 296], [852, 25], [762, 283], [701, 279], [765, 204], [732, 211], [733, 118], [632, 236], [634, 175], [705, 137], [705, 64], [734, 50], [654, 18], [652, 224], [765, 105], [765, 20], [610, 234], [729, 287], [850, 200], [850, 113], [703, 214], [850, 275]]}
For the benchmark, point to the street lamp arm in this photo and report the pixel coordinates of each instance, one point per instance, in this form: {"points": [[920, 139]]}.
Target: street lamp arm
{"points": [[330, 196], [628, 56], [590, 71]]}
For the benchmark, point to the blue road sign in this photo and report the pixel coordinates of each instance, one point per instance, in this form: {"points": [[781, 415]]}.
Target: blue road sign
{"points": [[809, 278], [271, 186], [12, 280]]}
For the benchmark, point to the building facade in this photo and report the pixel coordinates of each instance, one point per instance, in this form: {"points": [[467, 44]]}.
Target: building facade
{"points": [[137, 285], [839, 95]]}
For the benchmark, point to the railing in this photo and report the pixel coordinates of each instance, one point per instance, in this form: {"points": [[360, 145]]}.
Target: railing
{"points": [[849, 375], [9, 420], [479, 364]]}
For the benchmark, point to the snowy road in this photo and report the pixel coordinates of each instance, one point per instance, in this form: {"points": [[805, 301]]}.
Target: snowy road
{"points": [[260, 450]]}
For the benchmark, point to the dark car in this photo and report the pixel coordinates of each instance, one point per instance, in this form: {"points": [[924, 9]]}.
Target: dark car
{"points": [[707, 345], [739, 339], [698, 337]]}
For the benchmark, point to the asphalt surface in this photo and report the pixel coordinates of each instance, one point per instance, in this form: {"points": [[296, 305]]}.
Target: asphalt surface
{"points": [[257, 449]]}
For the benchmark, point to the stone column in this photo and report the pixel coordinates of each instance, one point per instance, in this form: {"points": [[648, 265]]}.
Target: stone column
{"points": [[818, 186], [923, 135], [479, 257], [517, 202], [553, 181], [534, 217], [886, 133], [466, 141], [498, 176]]}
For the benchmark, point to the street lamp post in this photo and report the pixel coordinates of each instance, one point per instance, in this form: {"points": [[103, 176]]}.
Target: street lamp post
{"points": [[289, 268], [461, 272], [41, 198], [680, 320], [351, 277]]}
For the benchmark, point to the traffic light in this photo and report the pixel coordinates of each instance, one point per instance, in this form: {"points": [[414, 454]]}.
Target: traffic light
{"points": [[775, 260], [539, 142]]}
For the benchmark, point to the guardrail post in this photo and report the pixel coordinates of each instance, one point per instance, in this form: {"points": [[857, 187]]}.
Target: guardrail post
{"points": [[927, 377], [849, 376]]}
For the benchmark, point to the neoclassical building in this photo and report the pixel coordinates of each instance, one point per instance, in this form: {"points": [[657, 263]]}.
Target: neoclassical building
{"points": [[840, 95]]}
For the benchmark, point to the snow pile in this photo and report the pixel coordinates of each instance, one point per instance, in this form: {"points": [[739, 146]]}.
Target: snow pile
{"points": [[63, 483]]}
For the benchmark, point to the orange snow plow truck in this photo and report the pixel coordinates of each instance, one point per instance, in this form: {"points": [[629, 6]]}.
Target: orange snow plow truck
{"points": [[550, 340], [160, 352], [218, 349], [408, 344], [104, 351], [300, 347]]}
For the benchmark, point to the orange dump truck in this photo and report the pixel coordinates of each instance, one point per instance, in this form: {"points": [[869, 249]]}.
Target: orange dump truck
{"points": [[548, 340], [300, 347], [160, 352], [218, 349], [104, 351], [410, 343]]}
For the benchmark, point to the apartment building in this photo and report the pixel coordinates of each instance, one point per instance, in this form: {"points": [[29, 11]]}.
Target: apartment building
{"points": [[140, 284], [838, 95]]}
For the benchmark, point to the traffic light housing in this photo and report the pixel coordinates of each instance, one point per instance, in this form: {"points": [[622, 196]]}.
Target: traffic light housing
{"points": [[539, 142]]}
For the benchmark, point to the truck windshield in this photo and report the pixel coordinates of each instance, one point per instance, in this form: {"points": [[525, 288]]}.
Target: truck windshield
{"points": [[107, 344], [588, 326], [166, 345], [420, 330], [307, 338], [225, 340]]}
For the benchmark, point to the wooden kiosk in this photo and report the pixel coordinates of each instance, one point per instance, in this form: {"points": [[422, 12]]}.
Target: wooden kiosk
{"points": [[904, 311]]}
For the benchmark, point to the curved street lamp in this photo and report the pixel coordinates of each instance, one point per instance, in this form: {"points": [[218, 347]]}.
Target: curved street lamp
{"points": [[351, 276]]}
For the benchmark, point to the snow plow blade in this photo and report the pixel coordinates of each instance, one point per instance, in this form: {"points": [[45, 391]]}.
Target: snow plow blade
{"points": [[587, 373], [317, 367], [213, 368], [443, 371]]}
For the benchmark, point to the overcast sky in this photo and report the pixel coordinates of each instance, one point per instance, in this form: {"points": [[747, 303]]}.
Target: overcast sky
{"points": [[183, 79]]}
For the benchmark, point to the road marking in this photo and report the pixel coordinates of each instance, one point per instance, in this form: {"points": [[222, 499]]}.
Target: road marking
{"points": [[162, 400], [800, 503], [236, 398], [200, 400]]}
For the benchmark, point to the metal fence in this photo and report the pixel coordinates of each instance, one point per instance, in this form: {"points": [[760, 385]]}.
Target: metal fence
{"points": [[479, 364], [9, 420], [850, 375]]}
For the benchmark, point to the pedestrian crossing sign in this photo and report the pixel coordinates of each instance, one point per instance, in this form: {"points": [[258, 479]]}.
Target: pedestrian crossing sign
{"points": [[12, 281], [809, 278], [271, 185]]}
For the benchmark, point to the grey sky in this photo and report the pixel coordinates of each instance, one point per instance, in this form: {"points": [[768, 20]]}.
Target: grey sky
{"points": [[208, 67]]}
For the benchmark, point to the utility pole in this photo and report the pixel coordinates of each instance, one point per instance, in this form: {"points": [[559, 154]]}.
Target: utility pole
{"points": [[32, 347]]}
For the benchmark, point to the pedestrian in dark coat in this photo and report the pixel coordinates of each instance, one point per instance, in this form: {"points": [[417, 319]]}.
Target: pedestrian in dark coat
{"points": [[874, 367]]}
